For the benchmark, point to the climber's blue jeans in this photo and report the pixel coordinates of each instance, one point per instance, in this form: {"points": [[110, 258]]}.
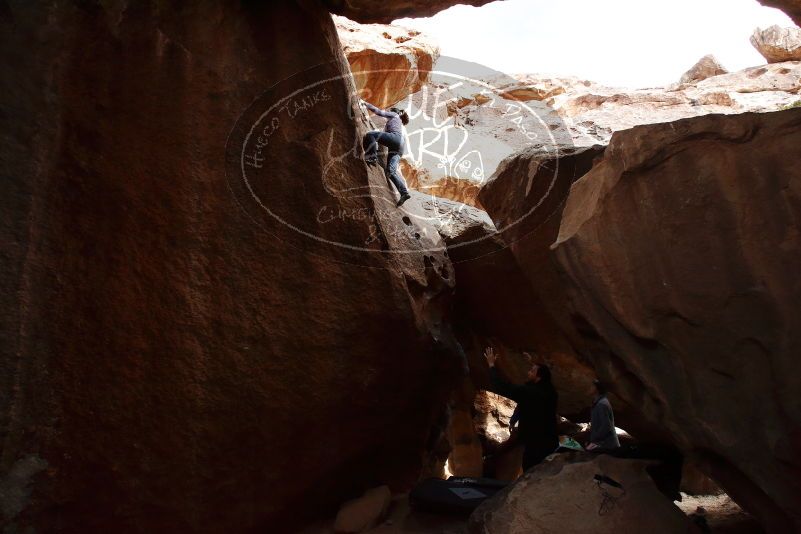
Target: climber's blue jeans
{"points": [[393, 159], [394, 144]]}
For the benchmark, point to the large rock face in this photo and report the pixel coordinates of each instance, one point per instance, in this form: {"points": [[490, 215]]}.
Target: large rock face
{"points": [[777, 44], [681, 249], [173, 358], [514, 269], [495, 303], [388, 62]]}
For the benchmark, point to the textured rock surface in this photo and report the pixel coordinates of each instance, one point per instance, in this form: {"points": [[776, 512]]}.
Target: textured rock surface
{"points": [[681, 251], [388, 62], [462, 128], [453, 188], [465, 459], [777, 44], [491, 421], [177, 360], [492, 416], [696, 482], [706, 67], [593, 113], [560, 495], [525, 198], [496, 303], [480, 117], [364, 512], [466, 456]]}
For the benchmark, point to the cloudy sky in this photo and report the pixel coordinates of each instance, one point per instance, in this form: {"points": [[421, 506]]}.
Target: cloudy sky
{"points": [[634, 43]]}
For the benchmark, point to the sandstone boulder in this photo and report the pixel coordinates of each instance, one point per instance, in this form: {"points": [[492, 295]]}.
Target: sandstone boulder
{"points": [[493, 285], [561, 495], [454, 188], [465, 459], [706, 67], [695, 482], [777, 44], [527, 87], [492, 413], [461, 128], [359, 515], [479, 116], [680, 250], [178, 358], [494, 305], [525, 198], [388, 62], [492, 416], [593, 113]]}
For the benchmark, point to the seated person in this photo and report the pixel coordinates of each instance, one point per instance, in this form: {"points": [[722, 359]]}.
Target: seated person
{"points": [[602, 421]]}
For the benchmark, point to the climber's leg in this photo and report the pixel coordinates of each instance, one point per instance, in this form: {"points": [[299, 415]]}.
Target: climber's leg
{"points": [[393, 160], [370, 145]]}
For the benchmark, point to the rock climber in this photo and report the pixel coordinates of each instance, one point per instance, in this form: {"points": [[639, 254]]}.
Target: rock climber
{"points": [[537, 400], [392, 137], [602, 421]]}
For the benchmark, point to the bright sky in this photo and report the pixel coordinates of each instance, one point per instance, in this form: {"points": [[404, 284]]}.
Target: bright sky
{"points": [[634, 43]]}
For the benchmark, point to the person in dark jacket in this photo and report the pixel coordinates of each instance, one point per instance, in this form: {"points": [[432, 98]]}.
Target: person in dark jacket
{"points": [[536, 400], [602, 421], [392, 138]]}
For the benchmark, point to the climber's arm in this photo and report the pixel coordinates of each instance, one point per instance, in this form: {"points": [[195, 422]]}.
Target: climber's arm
{"points": [[498, 384], [378, 111]]}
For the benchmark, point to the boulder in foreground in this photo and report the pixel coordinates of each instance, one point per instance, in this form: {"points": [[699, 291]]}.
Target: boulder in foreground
{"points": [[682, 249], [561, 495], [364, 512]]}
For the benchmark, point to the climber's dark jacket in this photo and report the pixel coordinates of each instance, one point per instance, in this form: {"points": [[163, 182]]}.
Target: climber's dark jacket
{"points": [[537, 409]]}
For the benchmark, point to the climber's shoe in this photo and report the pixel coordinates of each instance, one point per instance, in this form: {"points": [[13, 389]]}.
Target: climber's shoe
{"points": [[404, 197], [371, 161]]}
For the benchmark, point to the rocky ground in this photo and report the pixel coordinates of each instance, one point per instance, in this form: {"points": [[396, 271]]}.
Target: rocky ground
{"points": [[720, 514], [402, 519]]}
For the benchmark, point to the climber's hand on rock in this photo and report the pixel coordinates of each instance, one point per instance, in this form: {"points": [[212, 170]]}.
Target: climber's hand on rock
{"points": [[491, 356]]}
